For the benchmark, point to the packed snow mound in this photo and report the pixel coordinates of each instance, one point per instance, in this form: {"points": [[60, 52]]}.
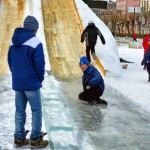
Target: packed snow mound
{"points": [[108, 53]]}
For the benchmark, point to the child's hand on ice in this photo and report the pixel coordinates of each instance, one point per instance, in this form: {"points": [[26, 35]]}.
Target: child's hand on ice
{"points": [[88, 87]]}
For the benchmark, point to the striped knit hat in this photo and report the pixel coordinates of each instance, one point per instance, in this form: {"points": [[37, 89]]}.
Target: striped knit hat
{"points": [[31, 23]]}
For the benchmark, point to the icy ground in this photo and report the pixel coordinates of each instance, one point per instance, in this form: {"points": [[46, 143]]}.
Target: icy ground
{"points": [[7, 113], [72, 125], [134, 82]]}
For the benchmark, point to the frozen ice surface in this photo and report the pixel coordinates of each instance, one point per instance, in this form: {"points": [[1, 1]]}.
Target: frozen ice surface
{"points": [[119, 126], [7, 115], [134, 82], [57, 117], [73, 125]]}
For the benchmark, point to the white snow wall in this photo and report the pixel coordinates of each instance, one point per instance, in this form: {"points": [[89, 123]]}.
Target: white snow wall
{"points": [[33, 7], [108, 53]]}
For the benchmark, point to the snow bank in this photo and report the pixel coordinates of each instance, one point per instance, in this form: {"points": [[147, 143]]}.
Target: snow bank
{"points": [[108, 53], [134, 82], [34, 8]]}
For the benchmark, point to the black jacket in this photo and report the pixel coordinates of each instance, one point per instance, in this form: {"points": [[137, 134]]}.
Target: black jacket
{"points": [[90, 33]]}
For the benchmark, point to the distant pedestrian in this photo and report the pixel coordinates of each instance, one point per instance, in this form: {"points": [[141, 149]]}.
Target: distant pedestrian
{"points": [[93, 83], [135, 37], [90, 33], [26, 62], [145, 46], [146, 60]]}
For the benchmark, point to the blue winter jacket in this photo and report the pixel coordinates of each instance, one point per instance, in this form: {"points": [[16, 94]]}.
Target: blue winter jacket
{"points": [[93, 78], [26, 61]]}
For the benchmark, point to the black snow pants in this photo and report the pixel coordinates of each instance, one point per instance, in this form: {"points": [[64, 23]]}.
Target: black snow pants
{"points": [[91, 94], [148, 68], [88, 49]]}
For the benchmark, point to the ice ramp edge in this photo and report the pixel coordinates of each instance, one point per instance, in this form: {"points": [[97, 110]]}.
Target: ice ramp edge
{"points": [[100, 66], [57, 118]]}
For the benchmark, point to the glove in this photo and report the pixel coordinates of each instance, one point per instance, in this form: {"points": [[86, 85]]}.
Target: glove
{"points": [[104, 43], [142, 63], [88, 87], [82, 40]]}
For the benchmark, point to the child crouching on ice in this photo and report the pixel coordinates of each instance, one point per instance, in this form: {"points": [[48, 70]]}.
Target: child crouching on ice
{"points": [[93, 83]]}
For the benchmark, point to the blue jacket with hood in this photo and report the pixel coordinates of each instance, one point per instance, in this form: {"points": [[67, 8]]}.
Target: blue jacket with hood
{"points": [[93, 78], [26, 61]]}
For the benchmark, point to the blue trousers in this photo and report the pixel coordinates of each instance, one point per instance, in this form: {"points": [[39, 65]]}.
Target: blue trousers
{"points": [[34, 99], [148, 68]]}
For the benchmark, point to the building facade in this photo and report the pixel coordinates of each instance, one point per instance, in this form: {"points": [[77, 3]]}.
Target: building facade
{"points": [[145, 5], [124, 4]]}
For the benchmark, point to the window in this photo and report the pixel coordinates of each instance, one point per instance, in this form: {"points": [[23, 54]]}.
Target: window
{"points": [[144, 5]]}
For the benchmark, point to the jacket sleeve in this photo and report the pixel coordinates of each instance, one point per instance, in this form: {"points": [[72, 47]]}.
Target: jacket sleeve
{"points": [[101, 36], [84, 86], [144, 43], [39, 62], [9, 58], [83, 35], [96, 77]]}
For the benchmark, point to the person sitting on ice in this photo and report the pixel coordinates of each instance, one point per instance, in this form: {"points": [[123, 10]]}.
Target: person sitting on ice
{"points": [[90, 33], [93, 83], [146, 60]]}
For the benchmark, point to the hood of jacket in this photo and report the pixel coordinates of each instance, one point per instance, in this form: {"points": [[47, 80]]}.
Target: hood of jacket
{"points": [[91, 25], [21, 35]]}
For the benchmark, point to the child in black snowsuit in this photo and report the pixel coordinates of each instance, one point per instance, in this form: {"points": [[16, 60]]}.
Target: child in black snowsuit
{"points": [[90, 33], [146, 60]]}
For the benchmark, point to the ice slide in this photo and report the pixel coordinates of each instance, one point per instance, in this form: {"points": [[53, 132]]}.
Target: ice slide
{"points": [[63, 23], [11, 15]]}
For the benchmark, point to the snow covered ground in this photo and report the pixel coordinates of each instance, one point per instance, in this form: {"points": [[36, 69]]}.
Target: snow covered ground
{"points": [[134, 81]]}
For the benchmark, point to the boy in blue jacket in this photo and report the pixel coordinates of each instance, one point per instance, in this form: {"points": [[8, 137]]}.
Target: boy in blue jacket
{"points": [[93, 83], [146, 60], [26, 62]]}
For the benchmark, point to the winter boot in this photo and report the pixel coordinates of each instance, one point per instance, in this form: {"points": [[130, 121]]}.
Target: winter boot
{"points": [[91, 103], [39, 142], [94, 56], [22, 141], [100, 101]]}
